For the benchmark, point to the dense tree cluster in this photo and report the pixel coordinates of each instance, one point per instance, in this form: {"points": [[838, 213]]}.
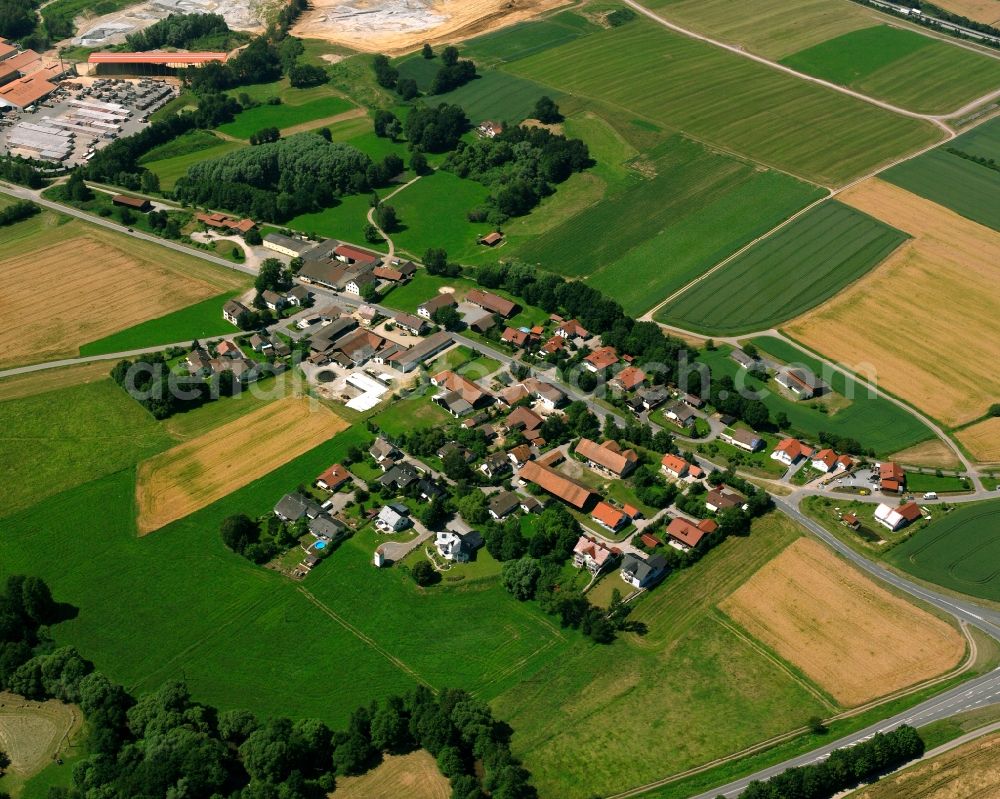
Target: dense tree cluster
{"points": [[454, 72], [842, 443], [386, 74], [302, 76], [185, 31], [22, 209], [259, 62], [843, 769], [546, 111], [435, 129], [261, 540], [18, 170], [521, 165], [282, 179], [265, 136], [17, 19]]}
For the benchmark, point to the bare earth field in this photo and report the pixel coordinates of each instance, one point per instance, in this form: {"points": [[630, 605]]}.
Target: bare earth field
{"points": [[194, 474], [928, 453], [852, 637], [987, 11], [28, 385], [397, 26], [415, 776], [84, 287], [32, 732], [925, 324], [971, 771], [982, 440]]}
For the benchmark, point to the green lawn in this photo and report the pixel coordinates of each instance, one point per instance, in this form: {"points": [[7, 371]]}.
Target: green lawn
{"points": [[652, 236], [646, 71], [201, 320], [967, 188], [918, 483], [797, 268], [347, 220], [908, 68], [60, 439], [171, 161], [874, 421], [606, 699], [413, 412], [284, 116], [959, 550]]}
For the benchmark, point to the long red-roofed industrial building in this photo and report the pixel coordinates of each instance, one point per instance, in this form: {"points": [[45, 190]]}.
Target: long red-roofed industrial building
{"points": [[162, 59]]}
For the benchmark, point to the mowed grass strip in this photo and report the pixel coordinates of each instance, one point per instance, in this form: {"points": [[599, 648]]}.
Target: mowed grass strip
{"points": [[967, 188], [902, 66], [194, 474], [728, 101], [844, 631], [795, 269], [657, 234], [959, 551], [284, 116], [912, 325]]}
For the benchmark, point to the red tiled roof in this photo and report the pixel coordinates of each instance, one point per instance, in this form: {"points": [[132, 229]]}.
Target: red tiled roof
{"points": [[675, 463], [491, 302], [355, 254], [388, 273], [335, 476], [910, 511], [470, 392], [602, 357], [155, 58], [682, 530], [630, 377], [650, 541], [607, 515], [558, 485], [608, 455], [891, 471]]}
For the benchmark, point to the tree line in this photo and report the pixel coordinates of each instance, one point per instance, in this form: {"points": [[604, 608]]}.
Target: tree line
{"points": [[22, 209], [844, 768], [166, 744], [184, 31], [19, 170]]}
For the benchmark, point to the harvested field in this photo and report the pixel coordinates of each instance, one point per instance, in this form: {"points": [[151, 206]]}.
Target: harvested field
{"points": [[849, 635], [28, 385], [92, 287], [397, 26], [971, 771], [415, 776], [982, 440], [194, 474], [987, 11], [882, 325], [31, 733], [929, 453]]}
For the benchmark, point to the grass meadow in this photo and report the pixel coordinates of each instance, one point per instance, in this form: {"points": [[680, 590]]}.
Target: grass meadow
{"points": [[679, 212], [959, 551], [874, 421], [527, 38], [795, 269], [642, 70], [171, 161], [905, 67], [967, 188], [201, 320], [286, 115]]}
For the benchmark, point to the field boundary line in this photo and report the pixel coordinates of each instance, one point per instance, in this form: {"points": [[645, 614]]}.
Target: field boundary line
{"points": [[364, 638], [745, 637]]}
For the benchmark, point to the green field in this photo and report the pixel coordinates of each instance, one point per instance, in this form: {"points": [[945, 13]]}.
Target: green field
{"points": [[347, 220], [795, 269], [643, 70], [654, 235], [967, 188], [606, 699], [284, 116], [171, 161], [527, 38], [918, 483], [874, 421], [59, 439], [198, 321], [959, 550], [902, 66]]}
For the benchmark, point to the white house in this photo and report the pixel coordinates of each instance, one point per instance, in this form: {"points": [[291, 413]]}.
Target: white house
{"points": [[389, 521], [897, 518], [640, 573], [457, 547]]}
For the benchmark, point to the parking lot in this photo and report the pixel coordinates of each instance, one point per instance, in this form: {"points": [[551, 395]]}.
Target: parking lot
{"points": [[81, 117]]}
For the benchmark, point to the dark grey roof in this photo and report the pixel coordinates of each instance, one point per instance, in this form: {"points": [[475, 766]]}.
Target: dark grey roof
{"points": [[327, 527], [504, 502], [294, 506]]}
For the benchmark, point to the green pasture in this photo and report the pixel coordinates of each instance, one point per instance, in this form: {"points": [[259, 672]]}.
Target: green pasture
{"points": [[905, 67], [198, 321], [604, 699], [527, 38], [656, 234], [644, 70], [967, 188], [172, 160], [959, 550], [874, 421], [798, 267], [347, 220], [918, 483], [59, 439], [283, 116]]}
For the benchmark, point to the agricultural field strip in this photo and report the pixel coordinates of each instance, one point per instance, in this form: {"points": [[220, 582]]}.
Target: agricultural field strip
{"points": [[937, 119]]}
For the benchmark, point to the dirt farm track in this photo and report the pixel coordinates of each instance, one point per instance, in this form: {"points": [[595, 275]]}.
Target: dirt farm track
{"points": [[397, 26]]}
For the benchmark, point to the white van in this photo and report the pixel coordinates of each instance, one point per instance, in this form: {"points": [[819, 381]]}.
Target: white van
{"points": [[931, 495]]}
